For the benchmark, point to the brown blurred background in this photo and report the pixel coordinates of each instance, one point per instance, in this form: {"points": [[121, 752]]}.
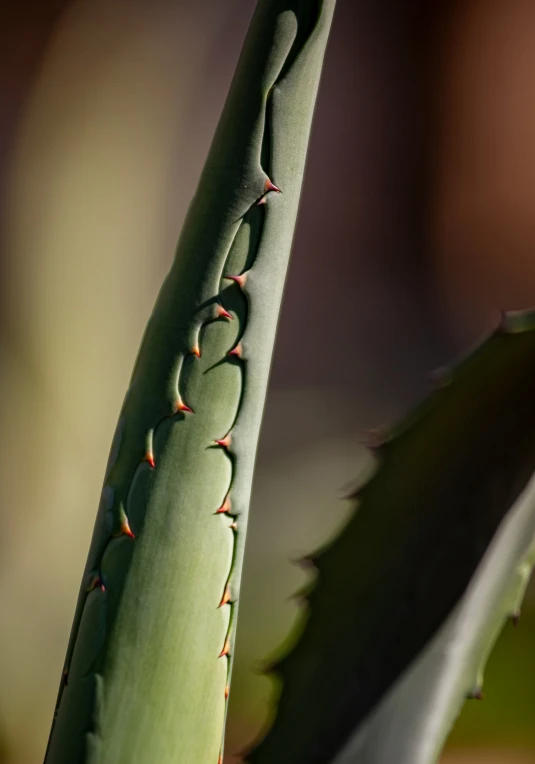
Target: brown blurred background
{"points": [[417, 224]]}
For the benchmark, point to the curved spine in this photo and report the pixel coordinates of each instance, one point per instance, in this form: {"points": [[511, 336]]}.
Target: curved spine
{"points": [[147, 671]]}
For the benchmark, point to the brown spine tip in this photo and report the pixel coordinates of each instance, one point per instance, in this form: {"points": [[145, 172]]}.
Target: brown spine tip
{"points": [[233, 526], [515, 618], [226, 596], [476, 694], [196, 351], [222, 313], [225, 507], [305, 563], [263, 200], [181, 406], [149, 457], [237, 351], [270, 186], [241, 280], [226, 649], [227, 691], [220, 759], [224, 442]]}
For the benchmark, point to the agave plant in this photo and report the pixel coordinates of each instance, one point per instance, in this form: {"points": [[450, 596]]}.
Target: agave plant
{"points": [[148, 666], [405, 602]]}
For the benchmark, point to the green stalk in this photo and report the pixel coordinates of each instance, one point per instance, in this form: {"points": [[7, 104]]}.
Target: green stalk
{"points": [[148, 664]]}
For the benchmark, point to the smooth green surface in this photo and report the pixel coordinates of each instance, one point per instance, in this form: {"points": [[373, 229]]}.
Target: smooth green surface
{"points": [[151, 646], [445, 480]]}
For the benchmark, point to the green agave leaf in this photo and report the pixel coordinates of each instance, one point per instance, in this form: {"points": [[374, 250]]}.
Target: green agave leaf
{"points": [[411, 723], [148, 664], [446, 479]]}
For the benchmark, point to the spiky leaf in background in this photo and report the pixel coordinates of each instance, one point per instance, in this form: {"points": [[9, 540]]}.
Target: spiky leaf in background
{"points": [[147, 671], [446, 478], [412, 721]]}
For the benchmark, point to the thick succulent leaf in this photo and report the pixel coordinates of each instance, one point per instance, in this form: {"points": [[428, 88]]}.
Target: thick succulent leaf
{"points": [[148, 664], [445, 479], [411, 723]]}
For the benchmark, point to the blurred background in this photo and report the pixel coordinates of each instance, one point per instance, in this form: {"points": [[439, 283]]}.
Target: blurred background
{"points": [[417, 225]]}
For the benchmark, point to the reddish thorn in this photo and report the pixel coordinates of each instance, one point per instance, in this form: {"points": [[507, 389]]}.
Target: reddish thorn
{"points": [[225, 507], [195, 350], [237, 351], [269, 186], [263, 200], [226, 596], [240, 280], [181, 406], [96, 583], [226, 649], [220, 759], [126, 530], [149, 457], [222, 313], [233, 526], [224, 442], [227, 690]]}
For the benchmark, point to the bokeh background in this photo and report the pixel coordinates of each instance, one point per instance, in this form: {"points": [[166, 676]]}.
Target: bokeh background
{"points": [[417, 225]]}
